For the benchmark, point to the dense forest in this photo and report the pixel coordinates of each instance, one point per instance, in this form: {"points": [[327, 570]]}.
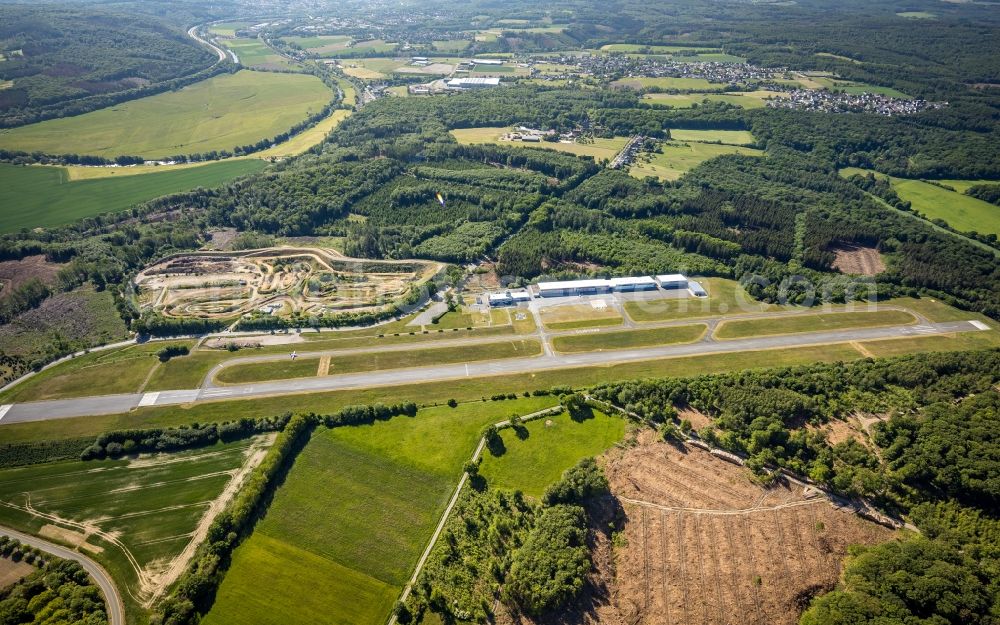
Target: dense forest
{"points": [[66, 60]]}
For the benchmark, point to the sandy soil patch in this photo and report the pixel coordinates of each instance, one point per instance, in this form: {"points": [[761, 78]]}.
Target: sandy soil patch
{"points": [[858, 260], [698, 419], [69, 537]]}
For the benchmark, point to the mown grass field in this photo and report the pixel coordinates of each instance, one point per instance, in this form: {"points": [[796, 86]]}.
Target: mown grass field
{"points": [[473, 389], [571, 316], [98, 373], [363, 528], [255, 53], [145, 508], [215, 114], [742, 328], [597, 148], [322, 45], [677, 158], [228, 29], [376, 361], [962, 212], [748, 100], [724, 297], [44, 197], [553, 445], [628, 339]]}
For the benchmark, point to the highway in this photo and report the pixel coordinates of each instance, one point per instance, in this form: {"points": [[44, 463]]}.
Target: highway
{"points": [[116, 612], [113, 404]]}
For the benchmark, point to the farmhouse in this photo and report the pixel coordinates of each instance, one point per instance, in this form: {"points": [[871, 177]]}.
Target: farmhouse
{"points": [[473, 83], [672, 281]]}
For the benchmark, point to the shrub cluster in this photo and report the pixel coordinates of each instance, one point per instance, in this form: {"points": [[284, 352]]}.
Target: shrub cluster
{"points": [[124, 442], [355, 415], [171, 351]]}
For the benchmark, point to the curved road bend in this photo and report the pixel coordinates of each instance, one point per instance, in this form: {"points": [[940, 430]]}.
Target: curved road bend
{"points": [[193, 33], [113, 404], [116, 611]]}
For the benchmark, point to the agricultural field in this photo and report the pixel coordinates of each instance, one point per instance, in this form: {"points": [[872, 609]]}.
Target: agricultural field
{"points": [[742, 328], [376, 361], [307, 138], [311, 281], [538, 455], [48, 196], [679, 157], [962, 212], [255, 53], [322, 45], [677, 84], [228, 29], [701, 542], [144, 535], [598, 148], [747, 100], [347, 529], [628, 339], [209, 115]]}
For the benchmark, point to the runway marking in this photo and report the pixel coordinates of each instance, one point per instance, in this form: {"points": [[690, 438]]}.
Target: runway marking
{"points": [[980, 325], [324, 366], [148, 399], [466, 369], [4, 410]]}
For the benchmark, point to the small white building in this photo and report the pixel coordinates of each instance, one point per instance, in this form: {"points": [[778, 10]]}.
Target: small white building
{"points": [[672, 281], [696, 289], [508, 298]]}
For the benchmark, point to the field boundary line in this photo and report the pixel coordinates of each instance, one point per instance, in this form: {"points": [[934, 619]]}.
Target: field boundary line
{"points": [[454, 500], [718, 512]]}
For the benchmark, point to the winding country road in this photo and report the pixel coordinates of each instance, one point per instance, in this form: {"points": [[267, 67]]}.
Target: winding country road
{"points": [[116, 610]]}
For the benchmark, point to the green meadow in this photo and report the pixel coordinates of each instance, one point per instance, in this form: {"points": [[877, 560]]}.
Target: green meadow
{"points": [[552, 445], [353, 516], [962, 212], [676, 158], [45, 197], [255, 53], [215, 114]]}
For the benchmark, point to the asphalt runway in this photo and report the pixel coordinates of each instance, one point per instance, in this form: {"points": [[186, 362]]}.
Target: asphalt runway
{"points": [[113, 404]]}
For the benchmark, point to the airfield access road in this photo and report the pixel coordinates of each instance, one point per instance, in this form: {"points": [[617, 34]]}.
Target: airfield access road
{"points": [[112, 404], [116, 613]]}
